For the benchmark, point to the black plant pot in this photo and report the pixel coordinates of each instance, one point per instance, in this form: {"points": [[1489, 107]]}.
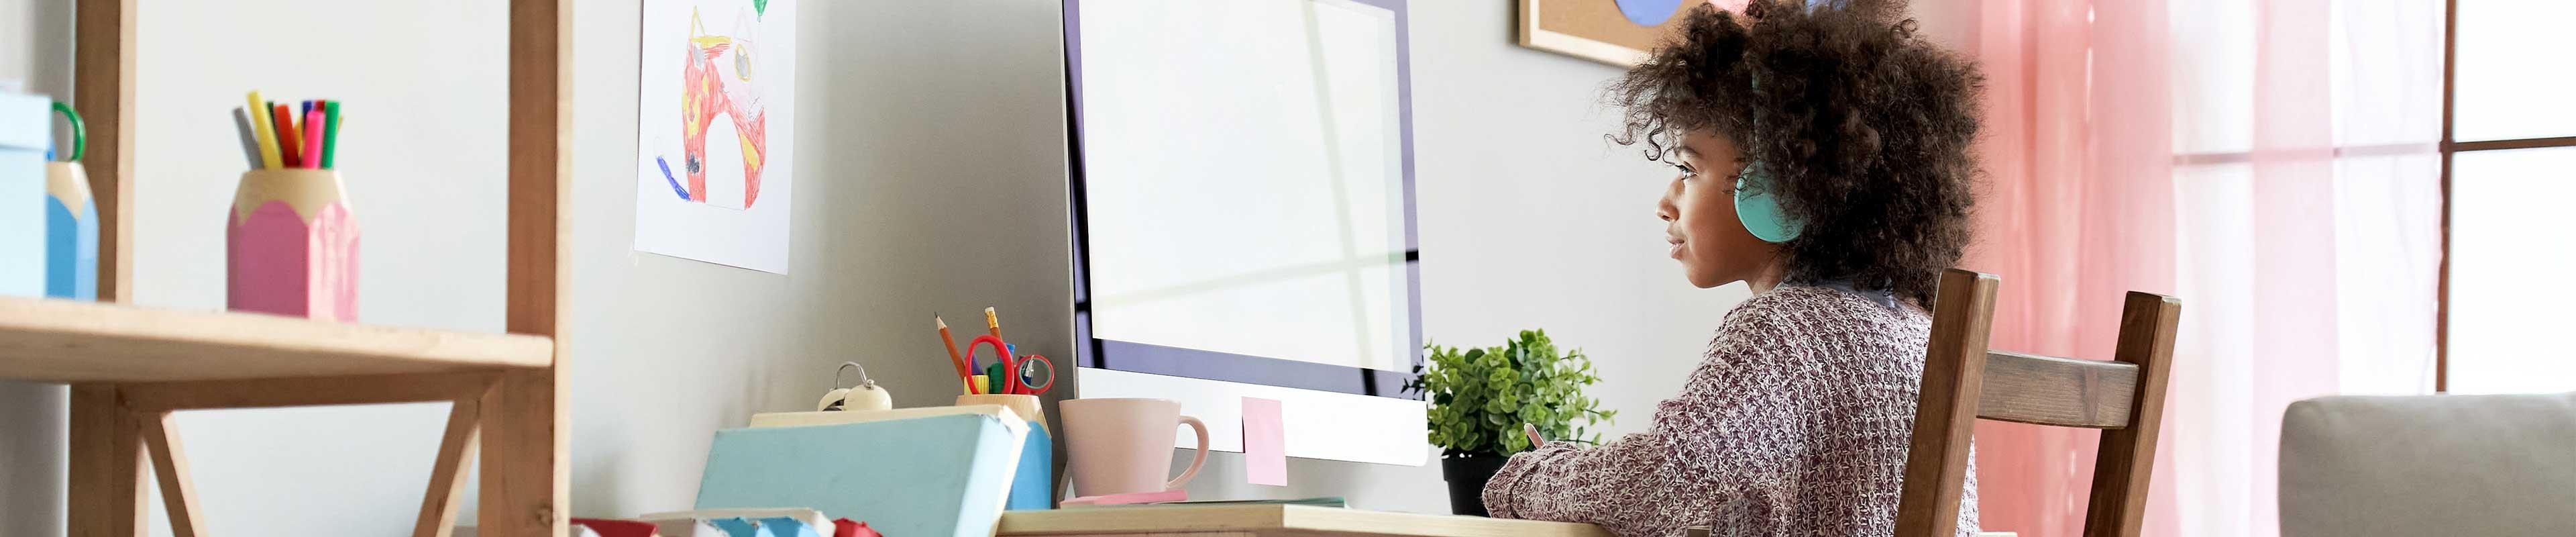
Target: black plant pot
{"points": [[1467, 474]]}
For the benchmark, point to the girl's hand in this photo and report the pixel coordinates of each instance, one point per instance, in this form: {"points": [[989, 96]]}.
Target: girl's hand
{"points": [[1532, 431]]}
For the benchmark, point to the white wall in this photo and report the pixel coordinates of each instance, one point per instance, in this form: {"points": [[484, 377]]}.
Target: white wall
{"points": [[35, 57], [911, 111]]}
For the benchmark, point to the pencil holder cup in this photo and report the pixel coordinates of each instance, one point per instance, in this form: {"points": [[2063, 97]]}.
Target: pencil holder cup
{"points": [[71, 233], [292, 246]]}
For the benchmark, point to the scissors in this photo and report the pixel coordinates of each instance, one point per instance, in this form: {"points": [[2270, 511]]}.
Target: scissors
{"points": [[1023, 368]]}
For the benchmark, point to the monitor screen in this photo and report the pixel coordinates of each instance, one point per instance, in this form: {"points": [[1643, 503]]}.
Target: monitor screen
{"points": [[1245, 192]]}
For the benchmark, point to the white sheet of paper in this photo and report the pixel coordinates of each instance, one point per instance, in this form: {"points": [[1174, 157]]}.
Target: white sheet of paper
{"points": [[735, 124]]}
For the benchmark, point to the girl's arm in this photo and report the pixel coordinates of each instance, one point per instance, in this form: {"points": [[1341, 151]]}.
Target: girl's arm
{"points": [[1726, 440]]}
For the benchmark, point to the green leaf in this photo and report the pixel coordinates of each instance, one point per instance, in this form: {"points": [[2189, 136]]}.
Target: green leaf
{"points": [[1480, 397]]}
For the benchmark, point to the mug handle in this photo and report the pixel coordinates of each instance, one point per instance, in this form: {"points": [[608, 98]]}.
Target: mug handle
{"points": [[1201, 428]]}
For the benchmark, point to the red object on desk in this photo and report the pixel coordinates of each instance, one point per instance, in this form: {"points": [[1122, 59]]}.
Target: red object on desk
{"points": [[849, 528], [617, 528]]}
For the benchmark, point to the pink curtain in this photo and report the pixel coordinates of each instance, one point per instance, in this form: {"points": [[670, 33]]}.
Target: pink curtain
{"points": [[2078, 210], [2198, 155]]}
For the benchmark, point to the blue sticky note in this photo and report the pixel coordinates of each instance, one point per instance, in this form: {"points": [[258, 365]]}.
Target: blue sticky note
{"points": [[945, 475]]}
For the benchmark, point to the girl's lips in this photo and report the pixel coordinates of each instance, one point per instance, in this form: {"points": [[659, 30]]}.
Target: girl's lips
{"points": [[1677, 251]]}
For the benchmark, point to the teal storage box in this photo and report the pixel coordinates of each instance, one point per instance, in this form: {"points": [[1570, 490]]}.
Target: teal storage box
{"points": [[937, 471], [25, 131]]}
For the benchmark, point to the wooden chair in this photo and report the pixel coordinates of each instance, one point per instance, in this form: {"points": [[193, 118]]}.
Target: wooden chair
{"points": [[1963, 381]]}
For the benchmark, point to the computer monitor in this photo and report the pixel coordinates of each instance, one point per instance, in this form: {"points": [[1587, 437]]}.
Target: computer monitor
{"points": [[1242, 189]]}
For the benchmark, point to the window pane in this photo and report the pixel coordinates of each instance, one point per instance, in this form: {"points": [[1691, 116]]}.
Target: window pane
{"points": [[2511, 251], [2513, 78]]}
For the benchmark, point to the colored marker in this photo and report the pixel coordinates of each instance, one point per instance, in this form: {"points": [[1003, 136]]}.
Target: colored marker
{"points": [[331, 133], [288, 144], [313, 132], [262, 131]]}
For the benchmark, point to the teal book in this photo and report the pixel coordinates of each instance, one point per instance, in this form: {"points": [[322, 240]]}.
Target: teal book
{"points": [[25, 131], [939, 475]]}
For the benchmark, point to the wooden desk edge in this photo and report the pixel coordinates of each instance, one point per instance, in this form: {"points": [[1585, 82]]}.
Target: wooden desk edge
{"points": [[1274, 519]]}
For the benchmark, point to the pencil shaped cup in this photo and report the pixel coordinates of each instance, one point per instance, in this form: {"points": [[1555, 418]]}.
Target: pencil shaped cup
{"points": [[71, 233], [291, 246]]}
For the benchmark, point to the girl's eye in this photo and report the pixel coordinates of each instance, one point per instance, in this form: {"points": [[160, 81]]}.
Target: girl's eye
{"points": [[1687, 172]]}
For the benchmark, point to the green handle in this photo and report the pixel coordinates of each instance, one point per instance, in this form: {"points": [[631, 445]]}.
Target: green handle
{"points": [[80, 134]]}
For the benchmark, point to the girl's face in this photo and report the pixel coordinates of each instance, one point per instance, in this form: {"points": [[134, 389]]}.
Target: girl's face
{"points": [[1699, 215]]}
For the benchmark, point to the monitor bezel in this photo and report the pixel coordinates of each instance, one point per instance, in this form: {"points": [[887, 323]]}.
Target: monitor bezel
{"points": [[1137, 357]]}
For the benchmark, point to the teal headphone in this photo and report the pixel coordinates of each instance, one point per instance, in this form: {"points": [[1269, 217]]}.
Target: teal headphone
{"points": [[1754, 204], [1759, 211]]}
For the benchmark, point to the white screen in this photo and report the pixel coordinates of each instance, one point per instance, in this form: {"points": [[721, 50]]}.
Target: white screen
{"points": [[1243, 175]]}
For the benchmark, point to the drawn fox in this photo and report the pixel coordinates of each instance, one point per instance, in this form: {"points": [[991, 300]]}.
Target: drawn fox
{"points": [[704, 94]]}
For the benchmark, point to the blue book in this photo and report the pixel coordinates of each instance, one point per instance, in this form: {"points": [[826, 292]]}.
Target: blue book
{"points": [[910, 472]]}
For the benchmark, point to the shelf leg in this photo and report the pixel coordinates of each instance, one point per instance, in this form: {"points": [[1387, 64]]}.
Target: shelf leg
{"points": [[170, 463], [526, 473], [447, 475], [106, 489]]}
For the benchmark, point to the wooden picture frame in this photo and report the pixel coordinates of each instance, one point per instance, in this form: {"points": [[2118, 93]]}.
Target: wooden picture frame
{"points": [[1596, 30]]}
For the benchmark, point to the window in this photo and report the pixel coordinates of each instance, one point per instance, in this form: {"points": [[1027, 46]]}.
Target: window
{"points": [[2508, 172]]}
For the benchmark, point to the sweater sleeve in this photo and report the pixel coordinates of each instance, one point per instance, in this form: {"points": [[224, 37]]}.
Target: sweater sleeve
{"points": [[1720, 449]]}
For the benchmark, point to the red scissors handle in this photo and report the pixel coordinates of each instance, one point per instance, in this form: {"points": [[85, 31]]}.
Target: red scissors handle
{"points": [[1036, 360], [1010, 383]]}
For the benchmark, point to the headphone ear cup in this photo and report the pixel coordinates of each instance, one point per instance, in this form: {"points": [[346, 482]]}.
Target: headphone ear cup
{"points": [[1759, 211]]}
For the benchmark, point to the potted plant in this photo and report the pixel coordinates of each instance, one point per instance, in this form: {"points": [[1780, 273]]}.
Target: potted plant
{"points": [[1480, 397]]}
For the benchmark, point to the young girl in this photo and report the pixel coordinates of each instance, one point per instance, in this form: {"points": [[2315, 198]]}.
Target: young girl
{"points": [[1824, 161]]}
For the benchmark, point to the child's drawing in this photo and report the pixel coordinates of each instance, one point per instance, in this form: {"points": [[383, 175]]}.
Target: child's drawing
{"points": [[720, 71]]}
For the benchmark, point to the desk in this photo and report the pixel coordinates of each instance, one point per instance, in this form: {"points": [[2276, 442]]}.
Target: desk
{"points": [[1269, 521]]}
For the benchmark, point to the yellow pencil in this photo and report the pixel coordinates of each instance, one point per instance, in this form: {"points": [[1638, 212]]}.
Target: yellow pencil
{"points": [[992, 323], [261, 128]]}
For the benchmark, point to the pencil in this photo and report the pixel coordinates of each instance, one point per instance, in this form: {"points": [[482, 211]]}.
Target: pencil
{"points": [[313, 139], [330, 133], [992, 323], [259, 128], [286, 138], [951, 342]]}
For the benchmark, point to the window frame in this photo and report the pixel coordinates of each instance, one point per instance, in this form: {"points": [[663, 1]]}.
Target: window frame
{"points": [[2450, 146]]}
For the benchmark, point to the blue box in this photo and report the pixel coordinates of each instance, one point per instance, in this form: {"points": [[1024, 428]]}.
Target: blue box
{"points": [[932, 471], [25, 131]]}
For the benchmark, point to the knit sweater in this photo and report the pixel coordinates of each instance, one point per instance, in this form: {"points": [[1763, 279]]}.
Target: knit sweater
{"points": [[1795, 422]]}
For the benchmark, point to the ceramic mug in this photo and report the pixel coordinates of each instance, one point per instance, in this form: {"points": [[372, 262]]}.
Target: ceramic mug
{"points": [[1122, 446]]}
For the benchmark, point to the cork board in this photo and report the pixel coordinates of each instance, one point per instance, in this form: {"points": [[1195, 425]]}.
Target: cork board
{"points": [[1596, 30]]}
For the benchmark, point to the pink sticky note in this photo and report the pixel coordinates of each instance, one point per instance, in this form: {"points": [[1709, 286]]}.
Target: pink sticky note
{"points": [[1265, 443]]}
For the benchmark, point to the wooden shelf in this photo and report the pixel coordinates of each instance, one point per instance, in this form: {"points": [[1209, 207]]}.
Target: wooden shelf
{"points": [[1273, 520], [68, 341]]}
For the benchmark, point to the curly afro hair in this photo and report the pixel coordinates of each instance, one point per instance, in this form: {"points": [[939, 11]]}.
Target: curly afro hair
{"points": [[1863, 126]]}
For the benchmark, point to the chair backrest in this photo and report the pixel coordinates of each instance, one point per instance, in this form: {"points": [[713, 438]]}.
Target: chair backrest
{"points": [[1964, 380]]}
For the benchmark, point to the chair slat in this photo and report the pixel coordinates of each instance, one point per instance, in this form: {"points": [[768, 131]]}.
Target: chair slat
{"points": [[2060, 392]]}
